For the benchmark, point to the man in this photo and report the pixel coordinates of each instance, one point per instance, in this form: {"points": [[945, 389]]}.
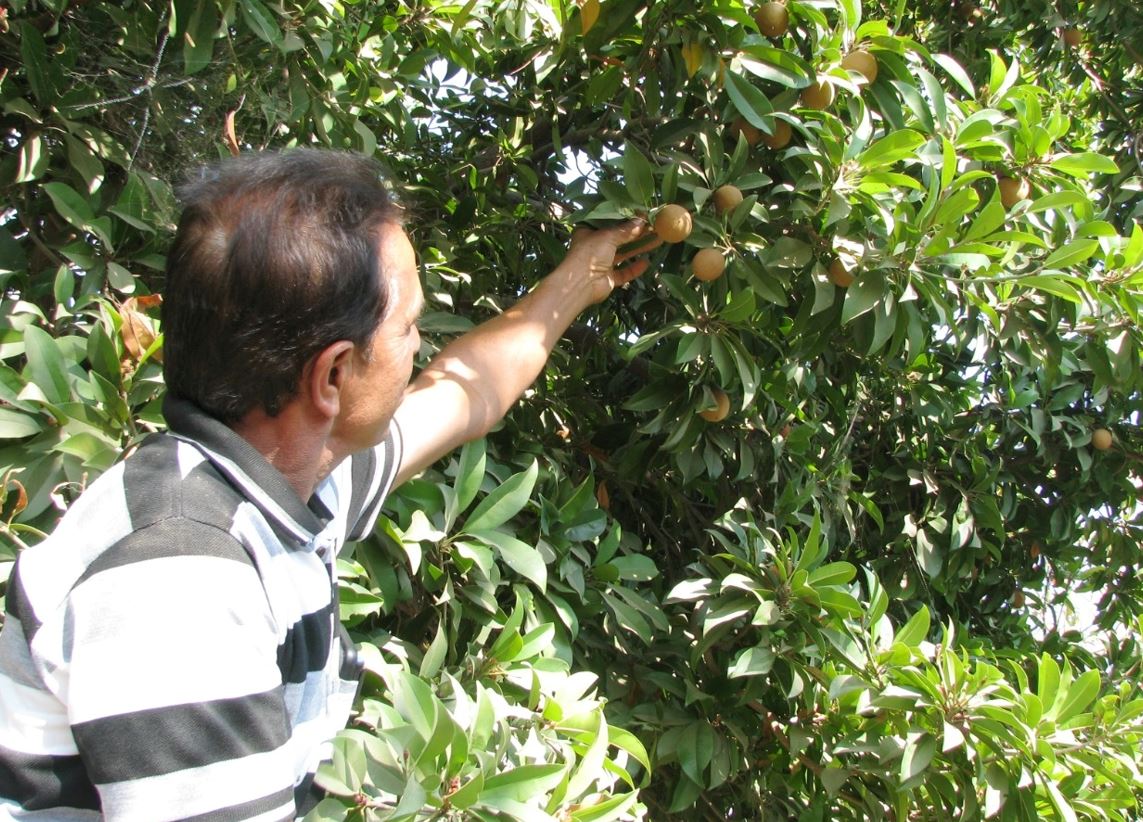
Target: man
{"points": [[173, 650]]}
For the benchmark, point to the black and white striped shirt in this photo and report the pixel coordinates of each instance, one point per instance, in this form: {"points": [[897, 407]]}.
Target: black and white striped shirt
{"points": [[173, 650]]}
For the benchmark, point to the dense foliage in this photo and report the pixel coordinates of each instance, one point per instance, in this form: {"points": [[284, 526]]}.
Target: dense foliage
{"points": [[847, 598]]}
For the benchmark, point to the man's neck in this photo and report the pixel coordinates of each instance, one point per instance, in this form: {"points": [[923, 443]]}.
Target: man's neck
{"points": [[297, 449]]}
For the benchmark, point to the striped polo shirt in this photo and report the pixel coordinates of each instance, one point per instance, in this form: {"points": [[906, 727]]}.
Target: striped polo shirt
{"points": [[173, 650]]}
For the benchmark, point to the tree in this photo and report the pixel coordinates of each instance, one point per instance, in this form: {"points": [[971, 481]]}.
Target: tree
{"points": [[845, 598]]}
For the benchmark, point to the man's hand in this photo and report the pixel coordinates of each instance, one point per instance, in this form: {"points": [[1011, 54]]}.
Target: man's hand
{"points": [[597, 258]]}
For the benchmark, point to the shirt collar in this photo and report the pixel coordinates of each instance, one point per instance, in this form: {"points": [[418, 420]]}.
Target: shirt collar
{"points": [[240, 462]]}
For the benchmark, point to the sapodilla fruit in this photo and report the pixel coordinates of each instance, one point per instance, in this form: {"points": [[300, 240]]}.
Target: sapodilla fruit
{"points": [[708, 264], [862, 61], [740, 126], [673, 223], [773, 19], [839, 275], [1101, 439], [1012, 190], [781, 136], [817, 95], [721, 410], [726, 198], [1072, 37]]}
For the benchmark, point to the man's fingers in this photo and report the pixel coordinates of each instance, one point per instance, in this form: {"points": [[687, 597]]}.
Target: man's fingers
{"points": [[629, 272], [638, 247]]}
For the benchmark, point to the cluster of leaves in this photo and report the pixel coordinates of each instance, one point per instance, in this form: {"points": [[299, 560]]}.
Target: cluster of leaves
{"points": [[613, 607]]}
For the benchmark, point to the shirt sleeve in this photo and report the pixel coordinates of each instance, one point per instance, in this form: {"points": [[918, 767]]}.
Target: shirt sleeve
{"points": [[174, 694], [373, 473]]}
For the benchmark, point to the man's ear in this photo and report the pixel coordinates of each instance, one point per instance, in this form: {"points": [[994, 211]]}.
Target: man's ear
{"points": [[327, 375]]}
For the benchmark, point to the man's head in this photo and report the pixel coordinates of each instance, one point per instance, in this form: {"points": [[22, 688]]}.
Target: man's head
{"points": [[275, 258]]}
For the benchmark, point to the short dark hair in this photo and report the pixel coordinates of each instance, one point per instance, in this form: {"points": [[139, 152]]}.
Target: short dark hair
{"points": [[275, 258]]}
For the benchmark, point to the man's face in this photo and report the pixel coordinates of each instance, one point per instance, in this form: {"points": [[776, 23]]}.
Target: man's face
{"points": [[382, 373]]}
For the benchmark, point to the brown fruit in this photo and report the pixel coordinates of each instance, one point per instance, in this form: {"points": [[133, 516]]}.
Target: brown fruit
{"points": [[726, 198], [1018, 599], [1013, 190], [740, 126], [1072, 37], [839, 275], [721, 409], [781, 136], [1101, 439], [708, 264], [817, 95], [773, 19], [861, 61], [673, 223]]}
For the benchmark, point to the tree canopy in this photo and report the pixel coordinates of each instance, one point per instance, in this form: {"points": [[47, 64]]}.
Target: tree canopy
{"points": [[796, 540]]}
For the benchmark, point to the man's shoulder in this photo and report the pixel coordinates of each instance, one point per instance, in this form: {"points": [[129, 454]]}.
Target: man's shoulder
{"points": [[166, 478], [163, 500]]}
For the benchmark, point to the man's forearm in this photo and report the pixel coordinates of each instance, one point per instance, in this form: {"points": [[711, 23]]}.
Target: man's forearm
{"points": [[496, 362]]}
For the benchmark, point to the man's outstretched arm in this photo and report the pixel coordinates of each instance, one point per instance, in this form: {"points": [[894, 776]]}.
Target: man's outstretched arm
{"points": [[473, 382]]}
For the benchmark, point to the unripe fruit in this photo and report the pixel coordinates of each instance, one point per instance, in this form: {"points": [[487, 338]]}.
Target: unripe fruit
{"points": [[708, 264], [726, 198], [673, 223], [817, 95], [839, 275], [1012, 190], [773, 19], [740, 126], [781, 136], [1072, 37], [1101, 439], [861, 61], [720, 411]]}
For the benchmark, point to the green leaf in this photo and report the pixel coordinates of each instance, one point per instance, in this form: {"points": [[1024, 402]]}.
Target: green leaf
{"points": [[835, 573], [196, 23], [36, 64], [435, 655], [1083, 164], [15, 425], [863, 295], [261, 21], [46, 368], [519, 556], [467, 794], [1056, 285], [839, 602], [590, 768], [1081, 693], [755, 661], [1071, 254], [750, 102], [955, 71], [890, 149], [469, 473], [523, 782], [74, 208], [696, 746], [33, 159], [919, 752], [1063, 807], [1047, 681], [535, 642], [638, 175], [504, 502], [776, 65], [606, 809], [916, 629]]}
